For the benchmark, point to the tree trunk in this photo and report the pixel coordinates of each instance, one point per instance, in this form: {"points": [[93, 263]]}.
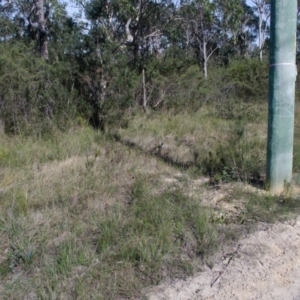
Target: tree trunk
{"points": [[205, 68], [261, 5], [260, 36], [43, 39], [103, 81], [144, 91], [205, 60], [2, 128]]}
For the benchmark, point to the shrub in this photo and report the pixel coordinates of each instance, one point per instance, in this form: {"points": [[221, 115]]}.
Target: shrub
{"points": [[33, 99]]}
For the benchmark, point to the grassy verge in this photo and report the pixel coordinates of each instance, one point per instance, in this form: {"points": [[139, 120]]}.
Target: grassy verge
{"points": [[207, 141], [85, 217]]}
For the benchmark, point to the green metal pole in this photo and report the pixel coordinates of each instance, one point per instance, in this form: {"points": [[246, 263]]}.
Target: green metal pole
{"points": [[283, 74]]}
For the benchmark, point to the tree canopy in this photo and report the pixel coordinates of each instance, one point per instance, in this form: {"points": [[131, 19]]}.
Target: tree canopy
{"points": [[55, 68]]}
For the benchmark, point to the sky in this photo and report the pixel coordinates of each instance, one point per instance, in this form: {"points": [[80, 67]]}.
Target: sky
{"points": [[72, 7]]}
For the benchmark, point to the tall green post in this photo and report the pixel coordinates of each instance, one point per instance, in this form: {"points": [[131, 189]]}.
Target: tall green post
{"points": [[283, 74]]}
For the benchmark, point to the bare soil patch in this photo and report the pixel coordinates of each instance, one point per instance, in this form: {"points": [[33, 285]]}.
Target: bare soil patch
{"points": [[263, 265]]}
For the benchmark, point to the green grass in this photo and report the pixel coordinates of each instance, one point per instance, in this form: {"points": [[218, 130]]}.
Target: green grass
{"points": [[83, 216], [205, 141]]}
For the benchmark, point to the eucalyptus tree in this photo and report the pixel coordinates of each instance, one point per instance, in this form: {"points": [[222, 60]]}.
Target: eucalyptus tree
{"points": [[26, 19], [34, 90], [246, 31], [209, 25], [32, 17], [38, 18], [8, 26], [263, 10], [130, 30]]}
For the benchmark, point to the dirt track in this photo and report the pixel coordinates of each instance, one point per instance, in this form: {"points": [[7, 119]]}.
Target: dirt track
{"points": [[264, 265]]}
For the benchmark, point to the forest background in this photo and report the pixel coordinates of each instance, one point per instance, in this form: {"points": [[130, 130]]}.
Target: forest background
{"points": [[152, 54]]}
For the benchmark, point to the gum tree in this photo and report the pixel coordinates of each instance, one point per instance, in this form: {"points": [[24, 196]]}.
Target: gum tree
{"points": [[211, 25], [263, 11]]}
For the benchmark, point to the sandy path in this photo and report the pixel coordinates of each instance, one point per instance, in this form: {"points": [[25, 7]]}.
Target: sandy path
{"points": [[265, 265]]}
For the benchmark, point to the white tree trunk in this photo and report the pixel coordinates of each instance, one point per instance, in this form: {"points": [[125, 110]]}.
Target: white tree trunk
{"points": [[205, 69], [263, 16], [2, 128], [205, 60], [144, 91], [260, 38]]}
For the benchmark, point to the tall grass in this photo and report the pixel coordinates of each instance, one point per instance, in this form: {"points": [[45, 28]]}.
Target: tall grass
{"points": [[85, 216], [92, 219]]}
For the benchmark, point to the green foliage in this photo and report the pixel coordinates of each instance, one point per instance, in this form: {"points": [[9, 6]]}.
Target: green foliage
{"points": [[180, 84], [33, 97], [247, 79], [8, 28], [94, 74], [239, 158], [122, 93]]}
